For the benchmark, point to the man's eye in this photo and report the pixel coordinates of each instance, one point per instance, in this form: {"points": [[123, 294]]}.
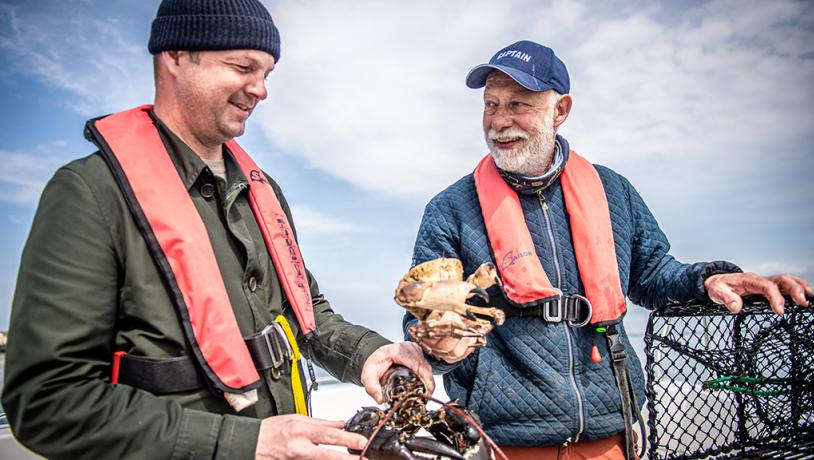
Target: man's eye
{"points": [[242, 68], [519, 107]]}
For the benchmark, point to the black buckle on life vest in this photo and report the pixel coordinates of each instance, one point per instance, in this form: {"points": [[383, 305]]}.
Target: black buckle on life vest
{"points": [[574, 309], [270, 349]]}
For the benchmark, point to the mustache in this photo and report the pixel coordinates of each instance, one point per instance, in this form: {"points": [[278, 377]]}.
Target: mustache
{"points": [[506, 134]]}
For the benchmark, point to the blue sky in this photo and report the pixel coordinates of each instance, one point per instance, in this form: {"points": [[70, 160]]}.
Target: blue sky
{"points": [[707, 107]]}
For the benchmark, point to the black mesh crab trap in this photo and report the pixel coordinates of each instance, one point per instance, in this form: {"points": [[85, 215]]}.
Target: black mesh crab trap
{"points": [[730, 386]]}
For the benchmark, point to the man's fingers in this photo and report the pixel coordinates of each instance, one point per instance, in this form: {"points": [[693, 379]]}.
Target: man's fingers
{"points": [[405, 353], [336, 437], [370, 379], [329, 432], [722, 293], [727, 289], [412, 357], [792, 286], [296, 436], [759, 285]]}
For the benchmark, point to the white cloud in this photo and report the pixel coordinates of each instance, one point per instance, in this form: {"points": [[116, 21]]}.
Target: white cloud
{"points": [[313, 222], [776, 266], [24, 174], [373, 92], [90, 57], [687, 100]]}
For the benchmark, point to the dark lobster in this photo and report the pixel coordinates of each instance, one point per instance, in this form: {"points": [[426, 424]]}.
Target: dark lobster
{"points": [[392, 432]]}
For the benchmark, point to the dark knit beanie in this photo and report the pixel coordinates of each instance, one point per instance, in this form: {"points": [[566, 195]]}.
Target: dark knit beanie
{"points": [[209, 25]]}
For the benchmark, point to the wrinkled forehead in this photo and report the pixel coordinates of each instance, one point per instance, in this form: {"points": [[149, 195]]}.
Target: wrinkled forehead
{"points": [[498, 80]]}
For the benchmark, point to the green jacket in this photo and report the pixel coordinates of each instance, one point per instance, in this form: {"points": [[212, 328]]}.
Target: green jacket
{"points": [[88, 287]]}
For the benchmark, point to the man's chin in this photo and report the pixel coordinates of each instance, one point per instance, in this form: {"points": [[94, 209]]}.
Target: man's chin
{"points": [[234, 130]]}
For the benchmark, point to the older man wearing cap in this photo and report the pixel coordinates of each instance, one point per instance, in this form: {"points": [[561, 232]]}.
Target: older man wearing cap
{"points": [[571, 241], [162, 302]]}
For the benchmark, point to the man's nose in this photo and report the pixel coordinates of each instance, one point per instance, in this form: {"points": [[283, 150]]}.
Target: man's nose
{"points": [[501, 120], [257, 89]]}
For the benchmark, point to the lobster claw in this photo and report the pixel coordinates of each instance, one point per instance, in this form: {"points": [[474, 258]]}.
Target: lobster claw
{"points": [[432, 446], [386, 445]]}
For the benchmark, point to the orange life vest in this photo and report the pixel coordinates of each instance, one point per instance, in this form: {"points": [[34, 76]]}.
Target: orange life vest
{"points": [[179, 243], [524, 279]]}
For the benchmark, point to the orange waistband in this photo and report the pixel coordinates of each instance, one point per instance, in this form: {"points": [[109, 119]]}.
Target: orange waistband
{"points": [[611, 448]]}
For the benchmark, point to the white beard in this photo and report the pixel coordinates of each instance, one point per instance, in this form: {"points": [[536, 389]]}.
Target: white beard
{"points": [[533, 158]]}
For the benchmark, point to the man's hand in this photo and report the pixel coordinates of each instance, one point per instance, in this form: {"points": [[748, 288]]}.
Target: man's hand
{"points": [[298, 437], [450, 349], [405, 353], [728, 289]]}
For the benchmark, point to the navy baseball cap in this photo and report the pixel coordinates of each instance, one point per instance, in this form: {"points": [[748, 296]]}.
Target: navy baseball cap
{"points": [[532, 65]]}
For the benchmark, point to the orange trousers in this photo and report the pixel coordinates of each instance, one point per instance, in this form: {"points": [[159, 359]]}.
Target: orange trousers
{"points": [[612, 448]]}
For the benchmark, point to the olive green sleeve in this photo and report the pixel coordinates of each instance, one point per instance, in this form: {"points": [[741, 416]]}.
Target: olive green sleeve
{"points": [[341, 348], [57, 393]]}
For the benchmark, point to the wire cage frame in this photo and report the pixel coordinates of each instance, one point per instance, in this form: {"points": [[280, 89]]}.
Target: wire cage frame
{"points": [[726, 386]]}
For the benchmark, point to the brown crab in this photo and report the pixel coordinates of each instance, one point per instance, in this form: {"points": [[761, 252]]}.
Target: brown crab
{"points": [[434, 287]]}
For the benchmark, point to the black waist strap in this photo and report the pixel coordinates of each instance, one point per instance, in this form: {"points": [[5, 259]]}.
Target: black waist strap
{"points": [[627, 395], [573, 309], [269, 350], [161, 375]]}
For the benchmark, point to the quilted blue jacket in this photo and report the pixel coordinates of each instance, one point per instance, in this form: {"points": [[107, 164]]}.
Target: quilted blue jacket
{"points": [[534, 384]]}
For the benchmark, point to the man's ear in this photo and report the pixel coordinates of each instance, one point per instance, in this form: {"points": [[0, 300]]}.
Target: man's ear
{"points": [[562, 110], [171, 61]]}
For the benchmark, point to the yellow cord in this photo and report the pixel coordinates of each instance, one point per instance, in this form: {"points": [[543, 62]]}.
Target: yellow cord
{"points": [[296, 382]]}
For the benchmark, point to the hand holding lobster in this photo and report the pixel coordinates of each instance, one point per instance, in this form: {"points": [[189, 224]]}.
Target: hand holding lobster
{"points": [[392, 433]]}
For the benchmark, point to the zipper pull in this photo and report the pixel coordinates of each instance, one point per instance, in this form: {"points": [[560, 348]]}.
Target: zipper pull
{"points": [[542, 200]]}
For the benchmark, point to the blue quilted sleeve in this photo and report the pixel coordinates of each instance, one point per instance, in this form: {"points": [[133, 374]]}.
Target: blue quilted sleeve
{"points": [[436, 237], [656, 277]]}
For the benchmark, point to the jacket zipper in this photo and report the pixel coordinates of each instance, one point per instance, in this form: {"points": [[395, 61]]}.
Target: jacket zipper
{"points": [[544, 206]]}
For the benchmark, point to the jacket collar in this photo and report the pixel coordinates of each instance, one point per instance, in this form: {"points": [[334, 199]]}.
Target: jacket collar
{"points": [[189, 165]]}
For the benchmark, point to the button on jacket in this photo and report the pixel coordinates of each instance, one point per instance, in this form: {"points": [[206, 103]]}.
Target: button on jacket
{"points": [[88, 287]]}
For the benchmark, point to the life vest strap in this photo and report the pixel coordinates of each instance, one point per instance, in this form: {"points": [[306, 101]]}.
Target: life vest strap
{"points": [[269, 349], [576, 310], [159, 376], [629, 404]]}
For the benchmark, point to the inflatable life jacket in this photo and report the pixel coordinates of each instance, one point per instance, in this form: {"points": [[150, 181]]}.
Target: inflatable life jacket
{"points": [[179, 243], [524, 279], [525, 283]]}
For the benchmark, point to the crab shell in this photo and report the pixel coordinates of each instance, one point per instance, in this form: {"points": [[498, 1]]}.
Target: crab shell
{"points": [[436, 286]]}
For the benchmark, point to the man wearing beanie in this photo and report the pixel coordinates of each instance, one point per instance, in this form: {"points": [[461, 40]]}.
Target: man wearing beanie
{"points": [[571, 241], [162, 305]]}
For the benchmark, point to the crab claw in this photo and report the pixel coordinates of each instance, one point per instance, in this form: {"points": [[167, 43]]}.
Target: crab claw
{"points": [[431, 446], [480, 293]]}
